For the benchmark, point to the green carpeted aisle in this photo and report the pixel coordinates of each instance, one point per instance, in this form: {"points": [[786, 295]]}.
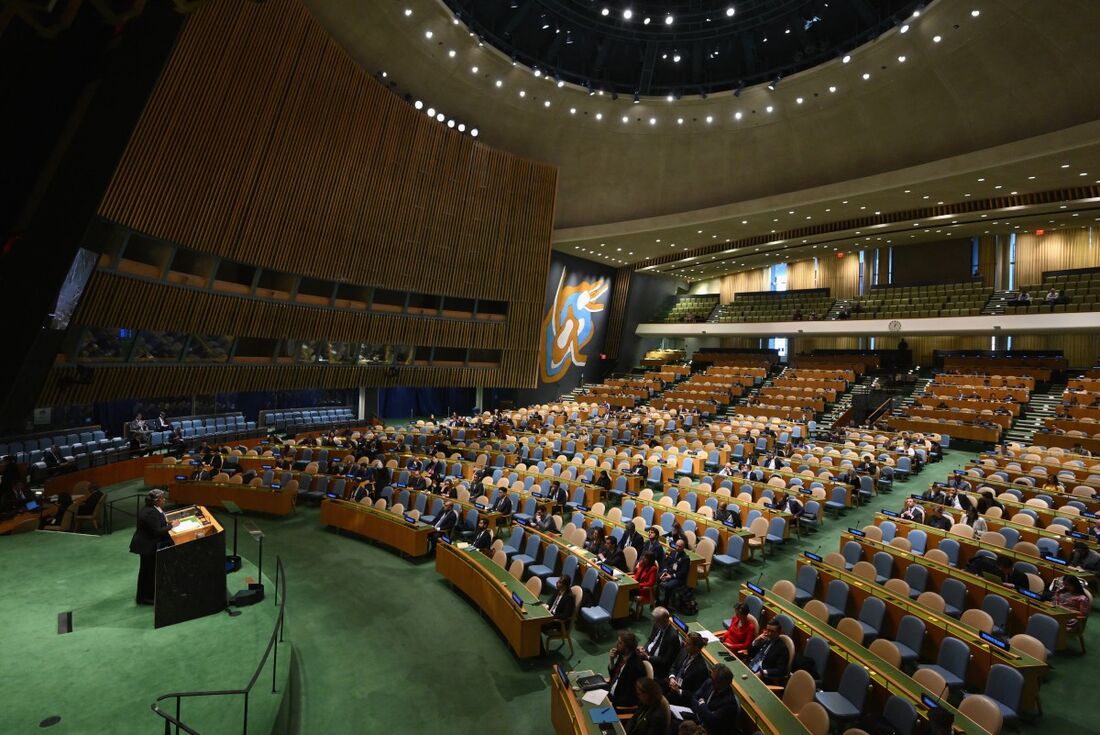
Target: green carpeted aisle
{"points": [[382, 644], [105, 674]]}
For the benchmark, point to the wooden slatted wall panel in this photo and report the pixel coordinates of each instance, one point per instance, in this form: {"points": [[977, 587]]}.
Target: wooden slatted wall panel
{"points": [[1082, 350], [266, 144], [1055, 251], [735, 283], [118, 301], [111, 383], [619, 293]]}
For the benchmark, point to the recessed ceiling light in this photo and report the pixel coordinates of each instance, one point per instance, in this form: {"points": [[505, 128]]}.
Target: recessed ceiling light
{"points": [[408, 12], [904, 28], [499, 83], [599, 116], [832, 89], [427, 34], [769, 108], [846, 59], [473, 70], [866, 76], [451, 53], [798, 100], [710, 119], [975, 13], [901, 59], [937, 38], [522, 93], [625, 118], [628, 14], [737, 116]]}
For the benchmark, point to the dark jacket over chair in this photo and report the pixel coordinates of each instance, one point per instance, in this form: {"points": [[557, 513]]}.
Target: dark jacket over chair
{"points": [[652, 720]]}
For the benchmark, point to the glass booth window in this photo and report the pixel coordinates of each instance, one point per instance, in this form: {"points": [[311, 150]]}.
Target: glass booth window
{"points": [[159, 346], [209, 348], [99, 344]]}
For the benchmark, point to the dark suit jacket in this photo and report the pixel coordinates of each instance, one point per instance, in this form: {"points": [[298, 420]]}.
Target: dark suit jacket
{"points": [[775, 660], [696, 673], [562, 606], [677, 564], [616, 559], [152, 532], [503, 505], [483, 539], [657, 549], [665, 653], [625, 694], [716, 711], [446, 521], [636, 540], [88, 504], [547, 525]]}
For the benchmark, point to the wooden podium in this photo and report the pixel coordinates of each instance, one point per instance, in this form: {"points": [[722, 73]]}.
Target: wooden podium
{"points": [[190, 580]]}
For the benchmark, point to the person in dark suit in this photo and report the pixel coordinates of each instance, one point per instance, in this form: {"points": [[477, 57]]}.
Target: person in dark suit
{"points": [[767, 656], [674, 573], [624, 669], [725, 514], [503, 505], [653, 716], [559, 495], [445, 524], [688, 671], [604, 481], [612, 555], [152, 533], [631, 539], [714, 704], [653, 545], [663, 645], [562, 604], [544, 522], [483, 539]]}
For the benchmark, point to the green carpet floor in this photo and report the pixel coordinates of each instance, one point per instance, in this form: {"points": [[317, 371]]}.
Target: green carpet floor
{"points": [[383, 645], [105, 674]]}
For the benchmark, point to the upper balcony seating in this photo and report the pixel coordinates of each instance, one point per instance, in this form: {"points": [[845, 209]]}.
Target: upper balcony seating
{"points": [[943, 300], [1079, 291], [692, 308], [775, 306]]}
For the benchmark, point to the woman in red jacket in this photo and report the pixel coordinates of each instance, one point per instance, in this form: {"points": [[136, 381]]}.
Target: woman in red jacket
{"points": [[645, 573], [741, 632]]}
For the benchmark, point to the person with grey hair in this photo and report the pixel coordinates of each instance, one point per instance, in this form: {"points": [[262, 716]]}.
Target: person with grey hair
{"points": [[153, 532], [663, 644]]}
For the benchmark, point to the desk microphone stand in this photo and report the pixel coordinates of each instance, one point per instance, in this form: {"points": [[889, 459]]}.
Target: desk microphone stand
{"points": [[233, 561]]}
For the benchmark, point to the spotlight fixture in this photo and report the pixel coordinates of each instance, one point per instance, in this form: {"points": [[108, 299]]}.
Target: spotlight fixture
{"points": [[740, 88], [774, 83], [637, 98]]}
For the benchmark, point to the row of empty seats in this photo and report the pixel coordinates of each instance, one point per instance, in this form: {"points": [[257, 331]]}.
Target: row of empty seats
{"points": [[775, 306], [307, 418], [952, 299], [694, 308]]}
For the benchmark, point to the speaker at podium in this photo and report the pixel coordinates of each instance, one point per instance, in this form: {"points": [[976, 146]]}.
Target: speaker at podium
{"points": [[190, 574]]}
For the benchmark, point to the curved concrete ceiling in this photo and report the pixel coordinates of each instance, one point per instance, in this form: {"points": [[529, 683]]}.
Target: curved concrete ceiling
{"points": [[968, 84]]}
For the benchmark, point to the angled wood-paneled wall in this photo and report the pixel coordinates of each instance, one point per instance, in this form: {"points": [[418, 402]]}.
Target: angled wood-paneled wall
{"points": [[266, 144]]}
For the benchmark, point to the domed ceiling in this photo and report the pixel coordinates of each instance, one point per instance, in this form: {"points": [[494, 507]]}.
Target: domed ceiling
{"points": [[676, 47]]}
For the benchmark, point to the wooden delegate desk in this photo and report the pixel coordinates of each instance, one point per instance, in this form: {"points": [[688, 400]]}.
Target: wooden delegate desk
{"points": [[947, 414], [885, 679], [971, 432], [702, 523], [704, 492], [1020, 395], [1066, 441], [491, 587], [569, 713], [1089, 465], [10, 524], [257, 499], [968, 547], [1021, 606], [378, 525], [938, 627], [962, 403], [837, 385], [493, 520], [997, 381]]}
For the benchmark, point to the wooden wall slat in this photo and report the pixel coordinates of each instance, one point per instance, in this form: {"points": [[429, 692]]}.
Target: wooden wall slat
{"points": [[264, 143]]}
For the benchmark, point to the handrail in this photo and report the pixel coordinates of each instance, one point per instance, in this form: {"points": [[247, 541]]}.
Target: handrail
{"points": [[272, 649], [880, 411], [110, 520]]}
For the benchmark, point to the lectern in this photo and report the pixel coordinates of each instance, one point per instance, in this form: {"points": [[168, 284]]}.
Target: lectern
{"points": [[191, 572]]}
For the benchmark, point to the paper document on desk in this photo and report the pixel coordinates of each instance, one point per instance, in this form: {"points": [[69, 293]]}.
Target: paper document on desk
{"points": [[709, 637], [678, 712], [595, 696]]}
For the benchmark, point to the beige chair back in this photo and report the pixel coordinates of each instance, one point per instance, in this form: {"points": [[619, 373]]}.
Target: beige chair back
{"points": [[815, 718], [983, 711], [800, 691], [898, 586], [977, 618], [784, 588], [930, 679], [818, 610], [900, 542], [499, 557], [851, 628], [865, 570], [933, 601], [887, 651]]}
